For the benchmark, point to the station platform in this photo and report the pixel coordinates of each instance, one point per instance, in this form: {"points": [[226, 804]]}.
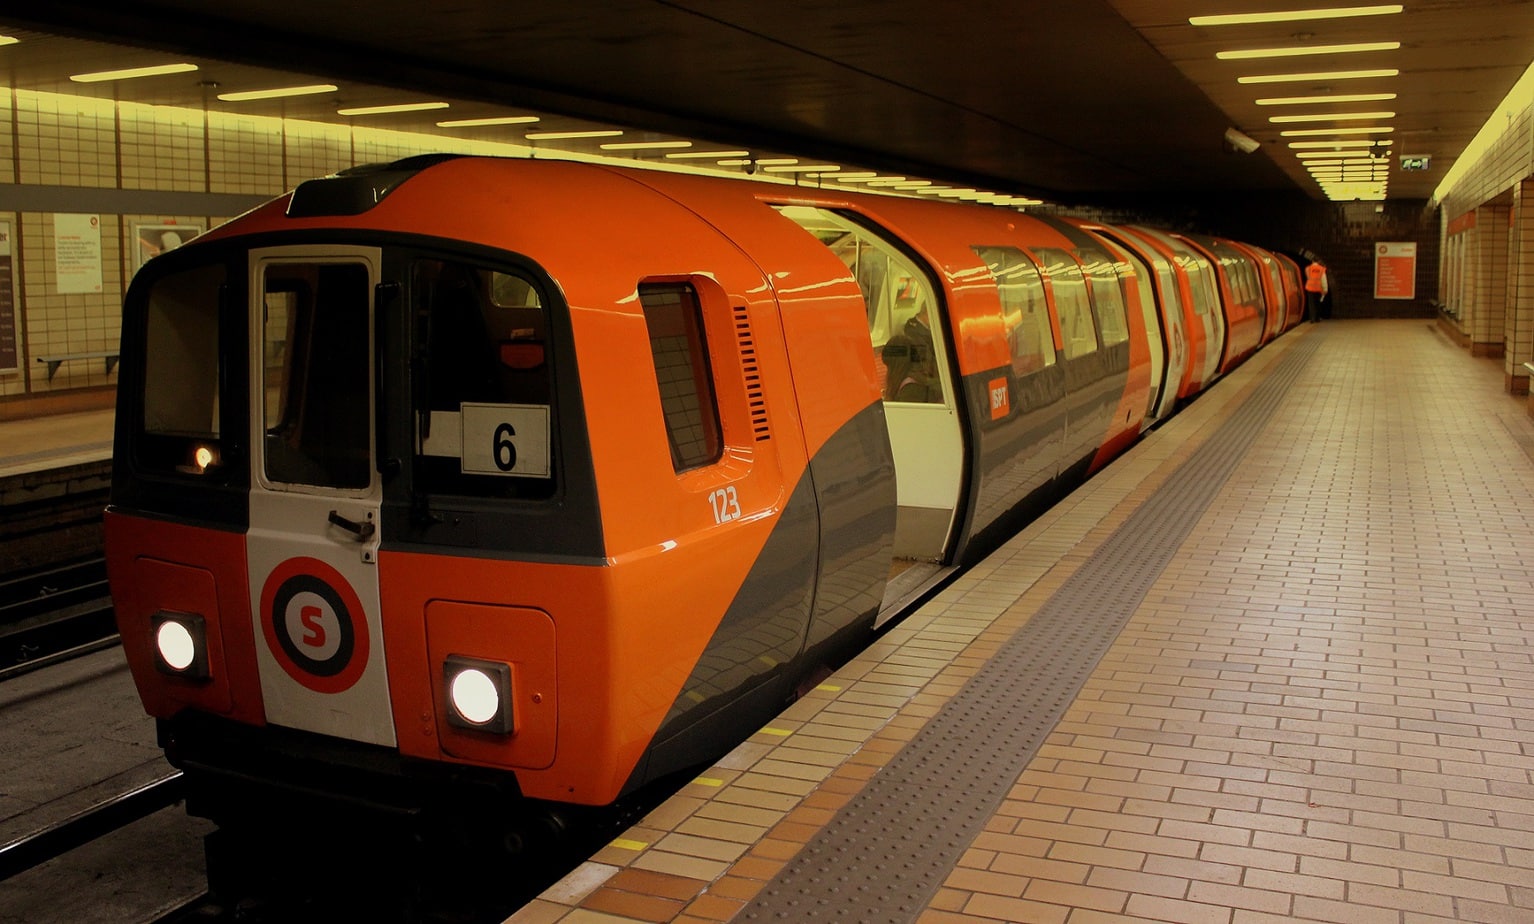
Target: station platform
{"points": [[1270, 666], [56, 441]]}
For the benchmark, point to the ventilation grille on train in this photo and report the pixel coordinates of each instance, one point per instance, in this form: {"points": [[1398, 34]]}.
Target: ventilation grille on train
{"points": [[753, 375]]}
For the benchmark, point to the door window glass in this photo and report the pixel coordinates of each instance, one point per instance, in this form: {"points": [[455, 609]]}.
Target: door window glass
{"points": [[1023, 306], [317, 387], [901, 304], [1077, 328]]}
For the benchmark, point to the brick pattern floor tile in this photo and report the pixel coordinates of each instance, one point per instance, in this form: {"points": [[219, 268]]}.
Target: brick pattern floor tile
{"points": [[1321, 712]]}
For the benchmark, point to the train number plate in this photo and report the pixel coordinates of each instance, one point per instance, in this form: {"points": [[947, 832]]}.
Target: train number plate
{"points": [[505, 439]]}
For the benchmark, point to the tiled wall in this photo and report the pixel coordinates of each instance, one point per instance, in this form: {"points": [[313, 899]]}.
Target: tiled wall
{"points": [[1497, 314], [48, 140]]}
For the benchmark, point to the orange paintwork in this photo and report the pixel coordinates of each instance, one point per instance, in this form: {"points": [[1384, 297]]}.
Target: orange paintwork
{"points": [[156, 565]]}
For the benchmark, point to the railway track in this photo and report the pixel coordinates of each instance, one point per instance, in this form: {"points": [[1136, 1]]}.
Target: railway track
{"points": [[54, 613]]}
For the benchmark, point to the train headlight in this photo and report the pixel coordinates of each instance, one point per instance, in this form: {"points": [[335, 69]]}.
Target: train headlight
{"points": [[478, 694], [180, 644]]}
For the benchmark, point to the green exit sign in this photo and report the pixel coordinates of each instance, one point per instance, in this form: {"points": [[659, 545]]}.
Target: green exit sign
{"points": [[1415, 161]]}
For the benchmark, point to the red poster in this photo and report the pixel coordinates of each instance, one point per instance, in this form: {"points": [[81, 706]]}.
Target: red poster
{"points": [[1395, 269]]}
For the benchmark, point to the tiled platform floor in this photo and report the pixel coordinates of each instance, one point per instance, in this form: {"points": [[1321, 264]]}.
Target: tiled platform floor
{"points": [[1323, 710], [54, 441]]}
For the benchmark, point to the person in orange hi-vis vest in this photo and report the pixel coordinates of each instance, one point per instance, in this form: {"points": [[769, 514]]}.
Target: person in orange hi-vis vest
{"points": [[1315, 289]]}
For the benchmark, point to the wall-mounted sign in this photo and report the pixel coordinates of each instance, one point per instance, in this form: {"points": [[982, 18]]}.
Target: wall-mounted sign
{"points": [[1415, 161], [1395, 269], [10, 347], [77, 253]]}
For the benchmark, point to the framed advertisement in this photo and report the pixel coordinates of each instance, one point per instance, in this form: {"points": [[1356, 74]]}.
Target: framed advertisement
{"points": [[153, 240]]}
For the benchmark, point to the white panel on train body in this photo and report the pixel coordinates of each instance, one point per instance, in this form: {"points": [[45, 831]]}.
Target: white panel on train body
{"points": [[312, 548]]}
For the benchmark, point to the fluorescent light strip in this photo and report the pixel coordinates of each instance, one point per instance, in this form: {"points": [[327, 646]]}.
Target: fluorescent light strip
{"points": [[1321, 75], [1290, 51], [390, 110], [8, 39], [277, 93], [558, 136], [496, 120], [802, 168], [704, 155], [738, 162], [1323, 98], [1330, 117], [776, 161], [1359, 143], [132, 72], [856, 177], [1312, 132], [1341, 12], [645, 145]]}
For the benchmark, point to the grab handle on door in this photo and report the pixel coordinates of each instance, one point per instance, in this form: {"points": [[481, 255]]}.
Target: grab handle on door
{"points": [[363, 531]]}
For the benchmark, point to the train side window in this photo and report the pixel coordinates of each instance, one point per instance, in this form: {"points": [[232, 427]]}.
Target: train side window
{"points": [[1024, 308], [1107, 296], [1077, 328], [900, 301], [181, 378], [674, 319]]}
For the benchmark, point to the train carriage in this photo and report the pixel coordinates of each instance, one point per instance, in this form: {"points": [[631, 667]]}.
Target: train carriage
{"points": [[558, 478]]}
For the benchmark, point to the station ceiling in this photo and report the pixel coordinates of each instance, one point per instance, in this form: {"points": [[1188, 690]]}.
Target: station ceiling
{"points": [[1078, 101]]}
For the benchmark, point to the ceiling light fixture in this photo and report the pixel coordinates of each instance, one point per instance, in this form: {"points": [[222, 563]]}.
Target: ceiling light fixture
{"points": [[1359, 143], [1297, 50], [560, 136], [8, 39], [1330, 117], [645, 145], [1324, 98], [802, 168], [1361, 130], [132, 72], [277, 93], [1340, 12], [1321, 76], [390, 110], [496, 120], [704, 155]]}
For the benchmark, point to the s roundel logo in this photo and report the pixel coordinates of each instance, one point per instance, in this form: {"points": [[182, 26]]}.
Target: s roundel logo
{"points": [[314, 625]]}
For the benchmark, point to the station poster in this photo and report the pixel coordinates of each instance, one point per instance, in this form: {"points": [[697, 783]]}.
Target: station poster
{"points": [[10, 347], [153, 240], [1395, 269], [77, 253]]}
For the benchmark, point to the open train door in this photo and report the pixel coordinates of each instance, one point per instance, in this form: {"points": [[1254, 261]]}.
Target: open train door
{"points": [[312, 548]]}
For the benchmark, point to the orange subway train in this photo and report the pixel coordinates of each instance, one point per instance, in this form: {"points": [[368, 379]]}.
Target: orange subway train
{"points": [[549, 479]]}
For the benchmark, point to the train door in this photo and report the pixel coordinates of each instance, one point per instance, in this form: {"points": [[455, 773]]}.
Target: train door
{"points": [[920, 386], [315, 492]]}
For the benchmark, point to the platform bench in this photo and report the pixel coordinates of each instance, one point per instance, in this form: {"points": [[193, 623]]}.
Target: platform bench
{"points": [[54, 362]]}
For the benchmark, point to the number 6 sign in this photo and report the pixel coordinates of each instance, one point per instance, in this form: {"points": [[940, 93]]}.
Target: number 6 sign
{"points": [[505, 439]]}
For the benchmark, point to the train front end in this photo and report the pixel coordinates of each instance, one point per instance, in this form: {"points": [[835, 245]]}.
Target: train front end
{"points": [[354, 539]]}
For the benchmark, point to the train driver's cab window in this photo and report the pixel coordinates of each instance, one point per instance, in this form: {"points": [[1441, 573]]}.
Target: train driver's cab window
{"points": [[485, 429], [1024, 309], [900, 303], [1077, 328], [674, 320], [181, 428], [1107, 295]]}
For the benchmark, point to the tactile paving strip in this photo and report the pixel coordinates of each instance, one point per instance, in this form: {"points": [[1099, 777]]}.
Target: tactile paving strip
{"points": [[887, 852]]}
